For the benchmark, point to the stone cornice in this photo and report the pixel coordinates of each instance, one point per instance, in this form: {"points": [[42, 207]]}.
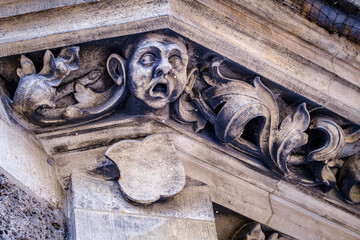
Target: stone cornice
{"points": [[312, 63]]}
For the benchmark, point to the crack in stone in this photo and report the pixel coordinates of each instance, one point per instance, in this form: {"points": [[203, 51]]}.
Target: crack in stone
{"points": [[269, 198]]}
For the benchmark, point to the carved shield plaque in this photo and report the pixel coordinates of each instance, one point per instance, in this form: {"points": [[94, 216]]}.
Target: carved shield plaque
{"points": [[149, 169]]}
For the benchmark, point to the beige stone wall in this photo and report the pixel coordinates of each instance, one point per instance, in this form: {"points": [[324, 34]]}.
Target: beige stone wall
{"points": [[23, 158]]}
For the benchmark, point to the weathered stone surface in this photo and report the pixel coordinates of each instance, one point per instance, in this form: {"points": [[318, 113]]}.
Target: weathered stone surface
{"points": [[284, 200], [25, 159], [23, 216], [236, 181], [101, 212], [227, 222], [149, 169], [15, 7], [349, 179], [110, 225], [255, 231]]}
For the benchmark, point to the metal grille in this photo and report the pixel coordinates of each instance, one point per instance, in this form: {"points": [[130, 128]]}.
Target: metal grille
{"points": [[338, 16]]}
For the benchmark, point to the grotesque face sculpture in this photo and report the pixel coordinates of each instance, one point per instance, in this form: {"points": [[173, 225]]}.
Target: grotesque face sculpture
{"points": [[157, 70]]}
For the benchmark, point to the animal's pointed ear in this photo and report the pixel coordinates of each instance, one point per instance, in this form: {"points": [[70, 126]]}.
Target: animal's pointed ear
{"points": [[116, 68]]}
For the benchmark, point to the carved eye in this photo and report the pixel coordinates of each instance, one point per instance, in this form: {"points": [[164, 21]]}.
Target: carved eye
{"points": [[148, 59], [175, 61]]}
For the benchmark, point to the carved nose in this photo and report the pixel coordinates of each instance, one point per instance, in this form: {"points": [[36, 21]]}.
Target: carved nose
{"points": [[164, 68]]}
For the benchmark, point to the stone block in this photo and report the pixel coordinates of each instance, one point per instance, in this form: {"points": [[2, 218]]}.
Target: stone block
{"points": [[101, 212]]}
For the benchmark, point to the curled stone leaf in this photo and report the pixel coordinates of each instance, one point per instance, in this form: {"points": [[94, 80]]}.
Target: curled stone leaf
{"points": [[240, 103], [324, 175], [92, 104], [349, 179], [326, 141], [290, 136], [187, 111], [352, 139], [185, 107], [230, 105], [333, 138]]}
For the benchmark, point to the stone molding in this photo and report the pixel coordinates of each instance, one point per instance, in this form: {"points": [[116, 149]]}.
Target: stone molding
{"points": [[236, 180], [10, 8], [330, 63]]}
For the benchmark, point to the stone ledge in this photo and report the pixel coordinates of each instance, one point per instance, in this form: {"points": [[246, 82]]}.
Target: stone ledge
{"points": [[10, 8], [236, 181]]}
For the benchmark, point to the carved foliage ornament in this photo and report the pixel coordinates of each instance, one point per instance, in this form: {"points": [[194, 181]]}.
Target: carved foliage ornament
{"points": [[154, 72], [254, 231]]}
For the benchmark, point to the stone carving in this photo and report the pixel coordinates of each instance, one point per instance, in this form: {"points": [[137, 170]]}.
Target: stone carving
{"points": [[253, 231], [154, 72], [230, 105], [38, 98], [151, 73], [324, 157], [349, 179], [349, 175], [149, 169], [38, 90], [157, 69]]}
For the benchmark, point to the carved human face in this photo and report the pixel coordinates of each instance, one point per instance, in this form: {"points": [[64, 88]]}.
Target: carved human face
{"points": [[157, 70]]}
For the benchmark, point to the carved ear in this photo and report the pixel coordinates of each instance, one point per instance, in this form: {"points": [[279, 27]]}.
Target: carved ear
{"points": [[116, 68]]}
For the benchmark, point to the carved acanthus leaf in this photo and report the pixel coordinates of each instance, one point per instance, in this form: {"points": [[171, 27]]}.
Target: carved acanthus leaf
{"points": [[230, 105], [291, 135], [327, 139], [91, 103], [352, 139], [349, 179], [186, 109], [334, 139], [27, 67]]}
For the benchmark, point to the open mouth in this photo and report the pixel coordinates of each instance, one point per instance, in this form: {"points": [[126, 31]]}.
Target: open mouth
{"points": [[160, 90]]}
